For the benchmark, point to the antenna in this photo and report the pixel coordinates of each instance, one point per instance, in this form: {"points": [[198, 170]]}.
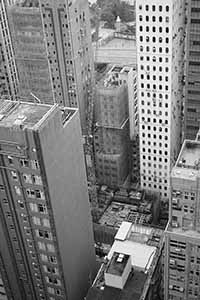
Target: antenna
{"points": [[35, 97]]}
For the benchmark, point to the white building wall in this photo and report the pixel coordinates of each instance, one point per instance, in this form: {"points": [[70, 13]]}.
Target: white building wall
{"points": [[158, 130]]}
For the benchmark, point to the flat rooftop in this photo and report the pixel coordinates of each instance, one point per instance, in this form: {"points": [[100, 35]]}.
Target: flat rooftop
{"points": [[189, 156], [27, 114], [115, 266], [131, 291], [188, 163], [118, 212], [120, 43]]}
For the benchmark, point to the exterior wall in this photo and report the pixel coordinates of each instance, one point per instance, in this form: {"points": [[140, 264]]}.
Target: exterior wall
{"points": [[192, 104], [112, 105], [70, 204], [111, 169], [160, 68], [182, 259], [8, 53], [111, 136], [30, 53]]}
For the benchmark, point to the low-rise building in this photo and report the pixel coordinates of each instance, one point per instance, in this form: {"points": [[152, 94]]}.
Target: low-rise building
{"points": [[133, 267]]}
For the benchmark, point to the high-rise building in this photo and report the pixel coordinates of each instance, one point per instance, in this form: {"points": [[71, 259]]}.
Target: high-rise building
{"points": [[192, 103], [111, 135], [9, 75], [160, 58], [45, 223], [68, 40], [48, 45], [30, 52], [182, 242]]}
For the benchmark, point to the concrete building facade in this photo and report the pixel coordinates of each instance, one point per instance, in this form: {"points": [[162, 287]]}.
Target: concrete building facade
{"points": [[192, 104], [160, 59], [111, 132], [30, 52], [9, 75], [45, 222], [182, 237]]}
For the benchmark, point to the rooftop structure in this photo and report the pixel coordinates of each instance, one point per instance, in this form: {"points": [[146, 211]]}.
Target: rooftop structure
{"points": [[135, 207], [131, 242]]}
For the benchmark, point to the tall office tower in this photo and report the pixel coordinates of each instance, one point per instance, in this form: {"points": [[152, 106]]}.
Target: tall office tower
{"points": [[192, 103], [30, 52], [8, 70], [160, 45], [52, 39], [45, 223], [68, 41], [111, 138], [182, 243]]}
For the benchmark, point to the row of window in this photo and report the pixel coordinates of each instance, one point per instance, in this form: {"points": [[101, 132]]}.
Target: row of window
{"points": [[154, 158], [154, 18], [159, 8], [154, 95], [154, 68], [154, 39], [154, 112], [154, 87], [154, 49], [154, 29], [155, 166], [154, 144], [154, 128], [28, 178], [155, 186], [154, 77], [155, 59]]}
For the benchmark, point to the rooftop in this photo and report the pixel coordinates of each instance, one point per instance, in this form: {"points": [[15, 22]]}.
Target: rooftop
{"points": [[134, 213], [133, 241], [188, 162], [27, 114], [131, 291]]}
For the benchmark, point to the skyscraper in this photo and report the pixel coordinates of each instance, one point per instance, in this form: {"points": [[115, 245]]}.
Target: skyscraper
{"points": [[45, 222], [160, 58], [48, 45], [68, 39], [182, 243], [192, 103]]}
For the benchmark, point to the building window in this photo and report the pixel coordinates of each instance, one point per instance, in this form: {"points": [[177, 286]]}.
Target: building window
{"points": [[27, 178], [42, 246], [10, 160], [17, 190], [24, 163], [50, 248], [36, 221]]}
